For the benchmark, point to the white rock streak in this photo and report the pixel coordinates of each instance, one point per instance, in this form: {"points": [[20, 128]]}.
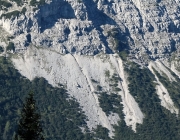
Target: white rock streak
{"points": [[174, 69], [162, 92], [133, 114], [160, 67]]}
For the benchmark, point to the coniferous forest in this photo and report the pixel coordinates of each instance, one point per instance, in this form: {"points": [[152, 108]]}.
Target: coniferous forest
{"points": [[61, 116], [63, 119]]}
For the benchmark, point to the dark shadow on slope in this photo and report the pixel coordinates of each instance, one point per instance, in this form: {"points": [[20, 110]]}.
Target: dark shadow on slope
{"points": [[103, 39], [95, 15], [98, 18], [172, 28], [62, 116], [50, 13]]}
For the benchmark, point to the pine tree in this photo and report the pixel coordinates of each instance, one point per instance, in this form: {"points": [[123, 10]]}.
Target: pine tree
{"points": [[29, 127]]}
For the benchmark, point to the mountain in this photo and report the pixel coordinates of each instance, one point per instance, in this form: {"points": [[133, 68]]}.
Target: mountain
{"points": [[117, 59]]}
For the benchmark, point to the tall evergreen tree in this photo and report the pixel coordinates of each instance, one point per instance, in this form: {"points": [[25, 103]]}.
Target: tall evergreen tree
{"points": [[29, 127]]}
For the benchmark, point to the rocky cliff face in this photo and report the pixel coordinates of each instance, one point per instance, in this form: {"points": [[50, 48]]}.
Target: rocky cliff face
{"points": [[90, 27], [75, 41]]}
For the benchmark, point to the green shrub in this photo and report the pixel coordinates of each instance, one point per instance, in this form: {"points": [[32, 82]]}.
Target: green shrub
{"points": [[15, 13], [10, 46], [113, 32], [10, 37], [4, 4], [94, 81], [123, 54], [1, 49], [9, 15], [33, 2], [37, 3], [107, 73], [109, 102], [101, 133], [117, 89], [99, 88], [23, 11]]}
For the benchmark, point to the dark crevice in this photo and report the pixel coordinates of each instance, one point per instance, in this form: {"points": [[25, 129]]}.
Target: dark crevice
{"points": [[56, 11]]}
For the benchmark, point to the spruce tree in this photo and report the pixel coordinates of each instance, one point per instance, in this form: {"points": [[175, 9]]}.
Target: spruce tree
{"points": [[29, 126]]}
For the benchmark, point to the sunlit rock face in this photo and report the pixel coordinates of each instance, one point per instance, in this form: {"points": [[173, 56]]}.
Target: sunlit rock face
{"points": [[89, 27]]}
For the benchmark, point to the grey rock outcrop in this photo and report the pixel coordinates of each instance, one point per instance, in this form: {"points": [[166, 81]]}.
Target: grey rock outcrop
{"points": [[84, 27]]}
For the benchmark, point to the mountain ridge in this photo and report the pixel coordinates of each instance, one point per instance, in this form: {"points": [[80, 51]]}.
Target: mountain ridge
{"points": [[77, 43]]}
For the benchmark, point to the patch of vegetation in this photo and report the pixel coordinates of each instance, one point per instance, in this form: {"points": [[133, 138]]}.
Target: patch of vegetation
{"points": [[4, 5], [123, 55], [172, 87], [10, 37], [10, 47], [37, 3], [119, 43], [23, 11], [35, 9], [15, 13], [1, 49], [116, 89], [29, 125], [94, 81], [109, 102], [158, 123], [113, 32], [101, 133], [9, 15], [62, 116], [124, 132], [107, 73], [99, 88], [115, 78]]}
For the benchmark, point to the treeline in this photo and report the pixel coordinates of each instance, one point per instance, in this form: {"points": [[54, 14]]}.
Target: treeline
{"points": [[159, 123], [62, 118], [171, 86]]}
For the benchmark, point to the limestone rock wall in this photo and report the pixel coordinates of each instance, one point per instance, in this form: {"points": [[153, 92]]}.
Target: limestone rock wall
{"points": [[82, 26]]}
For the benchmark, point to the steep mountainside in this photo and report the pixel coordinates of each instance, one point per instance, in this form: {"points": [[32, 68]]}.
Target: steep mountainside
{"points": [[119, 59]]}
